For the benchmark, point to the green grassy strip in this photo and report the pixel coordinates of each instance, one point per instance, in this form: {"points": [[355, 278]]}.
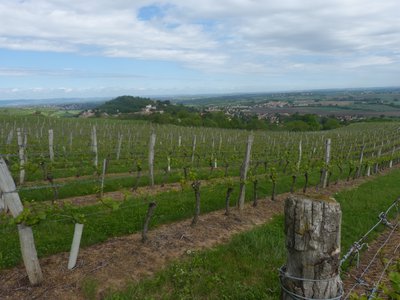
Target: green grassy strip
{"points": [[246, 268]]}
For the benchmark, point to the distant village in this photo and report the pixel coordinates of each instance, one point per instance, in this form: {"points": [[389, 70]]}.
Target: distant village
{"points": [[269, 110], [273, 110]]}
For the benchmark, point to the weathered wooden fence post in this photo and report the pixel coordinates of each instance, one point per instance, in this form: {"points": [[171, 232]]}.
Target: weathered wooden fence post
{"points": [[312, 229], [13, 203], [243, 172], [151, 157]]}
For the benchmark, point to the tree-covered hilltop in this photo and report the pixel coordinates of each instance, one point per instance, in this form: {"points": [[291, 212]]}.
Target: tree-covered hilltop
{"points": [[125, 104], [130, 106]]}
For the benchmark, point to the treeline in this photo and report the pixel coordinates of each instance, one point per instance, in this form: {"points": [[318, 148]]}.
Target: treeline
{"points": [[310, 122], [163, 112], [184, 117]]}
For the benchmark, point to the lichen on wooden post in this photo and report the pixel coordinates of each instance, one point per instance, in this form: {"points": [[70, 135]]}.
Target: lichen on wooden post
{"points": [[312, 228]]}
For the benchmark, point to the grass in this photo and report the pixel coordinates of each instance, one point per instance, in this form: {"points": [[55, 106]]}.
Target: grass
{"points": [[238, 270], [246, 268]]}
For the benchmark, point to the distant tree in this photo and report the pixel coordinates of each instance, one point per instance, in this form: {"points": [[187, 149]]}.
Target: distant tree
{"points": [[330, 123], [297, 125]]}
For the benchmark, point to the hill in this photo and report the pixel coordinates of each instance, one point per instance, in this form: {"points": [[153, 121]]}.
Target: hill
{"points": [[125, 104]]}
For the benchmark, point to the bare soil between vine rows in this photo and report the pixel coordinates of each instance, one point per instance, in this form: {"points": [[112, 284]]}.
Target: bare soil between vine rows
{"points": [[125, 259], [92, 199]]}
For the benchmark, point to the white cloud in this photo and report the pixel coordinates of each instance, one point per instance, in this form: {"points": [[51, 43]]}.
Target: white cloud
{"points": [[230, 35]]}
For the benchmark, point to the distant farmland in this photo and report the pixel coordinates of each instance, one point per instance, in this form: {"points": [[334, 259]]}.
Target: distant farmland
{"points": [[331, 110]]}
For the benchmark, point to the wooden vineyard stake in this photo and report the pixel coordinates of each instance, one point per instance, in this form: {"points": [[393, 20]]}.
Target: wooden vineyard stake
{"points": [[243, 172], [300, 154], [13, 203], [227, 200], [376, 167], [9, 140], [25, 143], [360, 160], [76, 241], [151, 157], [193, 148], [312, 229], [103, 175], [327, 160], [168, 164], [196, 188], [391, 160], [94, 147], [120, 136], [70, 141], [21, 155], [150, 212], [51, 142]]}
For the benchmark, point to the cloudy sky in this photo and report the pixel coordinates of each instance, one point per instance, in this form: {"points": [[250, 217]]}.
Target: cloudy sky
{"points": [[71, 48]]}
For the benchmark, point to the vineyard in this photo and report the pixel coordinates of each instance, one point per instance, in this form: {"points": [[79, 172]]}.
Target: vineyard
{"points": [[106, 174]]}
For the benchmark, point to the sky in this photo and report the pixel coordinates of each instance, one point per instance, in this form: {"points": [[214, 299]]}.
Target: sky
{"points": [[103, 48]]}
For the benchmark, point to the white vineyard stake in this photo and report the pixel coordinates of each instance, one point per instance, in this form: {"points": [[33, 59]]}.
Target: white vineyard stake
{"points": [[76, 241]]}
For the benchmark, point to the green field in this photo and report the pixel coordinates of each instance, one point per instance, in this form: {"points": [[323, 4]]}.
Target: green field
{"points": [[283, 160]]}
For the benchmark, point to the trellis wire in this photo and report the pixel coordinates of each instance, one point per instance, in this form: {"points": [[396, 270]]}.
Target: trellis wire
{"points": [[371, 261]]}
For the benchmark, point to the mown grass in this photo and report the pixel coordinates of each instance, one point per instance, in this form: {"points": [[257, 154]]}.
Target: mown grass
{"points": [[246, 268]]}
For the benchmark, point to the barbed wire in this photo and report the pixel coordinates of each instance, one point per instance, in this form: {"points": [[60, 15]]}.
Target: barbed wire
{"points": [[376, 285], [358, 245], [366, 269]]}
